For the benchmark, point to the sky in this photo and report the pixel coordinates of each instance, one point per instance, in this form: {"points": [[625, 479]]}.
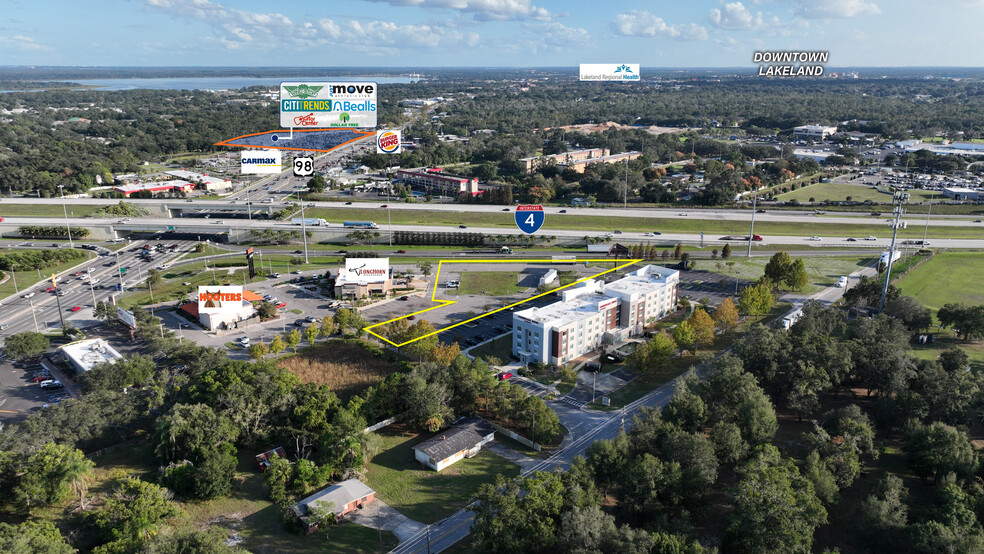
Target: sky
{"points": [[486, 33]]}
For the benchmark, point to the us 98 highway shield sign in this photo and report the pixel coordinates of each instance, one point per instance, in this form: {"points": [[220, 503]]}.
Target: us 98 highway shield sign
{"points": [[529, 218]]}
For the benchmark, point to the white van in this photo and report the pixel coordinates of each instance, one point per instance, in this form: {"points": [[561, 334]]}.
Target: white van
{"points": [[842, 282]]}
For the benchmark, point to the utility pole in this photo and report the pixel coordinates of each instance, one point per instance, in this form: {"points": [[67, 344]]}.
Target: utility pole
{"points": [[928, 213], [303, 226], [751, 230], [68, 225], [34, 315], [625, 192], [899, 199]]}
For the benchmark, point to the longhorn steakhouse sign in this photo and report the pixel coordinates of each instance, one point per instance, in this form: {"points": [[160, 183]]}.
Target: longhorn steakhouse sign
{"points": [[366, 270]]}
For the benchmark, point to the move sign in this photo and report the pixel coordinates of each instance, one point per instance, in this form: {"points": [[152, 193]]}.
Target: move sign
{"points": [[328, 104]]}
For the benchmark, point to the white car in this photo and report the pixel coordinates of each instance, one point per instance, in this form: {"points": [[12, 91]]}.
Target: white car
{"points": [[815, 238], [870, 238], [648, 235], [28, 295], [682, 214], [275, 275]]}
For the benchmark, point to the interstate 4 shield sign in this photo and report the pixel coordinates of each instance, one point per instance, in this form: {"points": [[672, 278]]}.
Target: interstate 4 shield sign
{"points": [[529, 218]]}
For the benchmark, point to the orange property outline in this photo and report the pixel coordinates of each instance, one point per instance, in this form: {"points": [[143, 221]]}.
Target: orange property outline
{"points": [[229, 142]]}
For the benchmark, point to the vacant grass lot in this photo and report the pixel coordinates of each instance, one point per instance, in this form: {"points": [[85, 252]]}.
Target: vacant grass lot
{"points": [[499, 348], [840, 191], [592, 224], [950, 277], [346, 366], [489, 283], [51, 210], [823, 271], [424, 494]]}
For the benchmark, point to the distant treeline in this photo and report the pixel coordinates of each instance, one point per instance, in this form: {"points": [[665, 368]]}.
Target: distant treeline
{"points": [[39, 259]]}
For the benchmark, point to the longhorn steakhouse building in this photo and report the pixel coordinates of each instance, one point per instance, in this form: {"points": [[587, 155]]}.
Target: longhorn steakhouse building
{"points": [[594, 313]]}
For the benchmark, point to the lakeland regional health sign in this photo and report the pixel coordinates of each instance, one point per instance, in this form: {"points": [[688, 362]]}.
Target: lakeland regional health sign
{"points": [[334, 104]]}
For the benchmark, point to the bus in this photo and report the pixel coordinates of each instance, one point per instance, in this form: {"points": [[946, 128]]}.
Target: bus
{"points": [[360, 225]]}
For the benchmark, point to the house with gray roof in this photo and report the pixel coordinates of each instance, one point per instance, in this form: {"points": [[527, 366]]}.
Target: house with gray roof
{"points": [[464, 439], [340, 498]]}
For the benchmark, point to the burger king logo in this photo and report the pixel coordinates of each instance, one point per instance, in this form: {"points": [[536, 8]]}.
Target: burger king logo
{"points": [[387, 142]]}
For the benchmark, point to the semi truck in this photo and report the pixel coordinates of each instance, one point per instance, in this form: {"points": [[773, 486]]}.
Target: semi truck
{"points": [[500, 250], [741, 237], [311, 221]]}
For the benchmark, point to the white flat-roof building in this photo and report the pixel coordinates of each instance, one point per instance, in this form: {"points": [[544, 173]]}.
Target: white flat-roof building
{"points": [[84, 355], [813, 132], [211, 183], [593, 313], [962, 193]]}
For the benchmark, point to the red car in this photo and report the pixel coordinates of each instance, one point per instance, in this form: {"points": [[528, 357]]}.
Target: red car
{"points": [[384, 206], [504, 376], [411, 318], [75, 308], [39, 378], [78, 273], [50, 289], [401, 251], [281, 304]]}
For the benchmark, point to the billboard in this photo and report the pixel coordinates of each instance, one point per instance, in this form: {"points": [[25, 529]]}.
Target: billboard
{"points": [[328, 104], [610, 72], [126, 317], [217, 300], [387, 142], [367, 270], [258, 162]]}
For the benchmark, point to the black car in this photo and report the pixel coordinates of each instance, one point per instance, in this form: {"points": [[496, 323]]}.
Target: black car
{"points": [[760, 211], [462, 226], [563, 211], [480, 338]]}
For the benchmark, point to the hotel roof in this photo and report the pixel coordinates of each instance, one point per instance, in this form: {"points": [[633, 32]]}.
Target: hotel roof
{"points": [[641, 280]]}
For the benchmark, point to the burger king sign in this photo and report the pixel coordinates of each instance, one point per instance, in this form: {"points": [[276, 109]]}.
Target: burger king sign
{"points": [[387, 142]]}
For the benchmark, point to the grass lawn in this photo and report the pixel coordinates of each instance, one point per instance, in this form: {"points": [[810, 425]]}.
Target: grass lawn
{"points": [[27, 279], [593, 224], [348, 367], [944, 340], [500, 348], [424, 494], [489, 283], [52, 210], [840, 191], [823, 271], [949, 277]]}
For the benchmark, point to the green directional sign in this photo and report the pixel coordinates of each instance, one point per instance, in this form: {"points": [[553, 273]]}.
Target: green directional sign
{"points": [[170, 227]]}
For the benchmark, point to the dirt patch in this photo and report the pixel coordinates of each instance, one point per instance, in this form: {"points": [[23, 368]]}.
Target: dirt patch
{"points": [[348, 367]]}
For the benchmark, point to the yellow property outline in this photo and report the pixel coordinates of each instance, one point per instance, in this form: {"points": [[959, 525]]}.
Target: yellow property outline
{"points": [[442, 303]]}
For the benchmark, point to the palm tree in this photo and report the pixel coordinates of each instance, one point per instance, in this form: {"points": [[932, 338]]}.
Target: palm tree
{"points": [[77, 474]]}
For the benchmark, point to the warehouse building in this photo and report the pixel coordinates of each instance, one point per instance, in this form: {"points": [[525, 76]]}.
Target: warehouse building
{"points": [[210, 183], [594, 313], [962, 193], [813, 132]]}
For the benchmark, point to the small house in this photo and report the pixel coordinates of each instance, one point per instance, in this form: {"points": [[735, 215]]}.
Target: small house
{"points": [[464, 439], [264, 460], [341, 498]]}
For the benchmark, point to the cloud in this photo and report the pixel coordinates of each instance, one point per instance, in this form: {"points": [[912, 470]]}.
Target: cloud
{"points": [[236, 29], [635, 23], [484, 10], [834, 9], [20, 42], [557, 36], [735, 16]]}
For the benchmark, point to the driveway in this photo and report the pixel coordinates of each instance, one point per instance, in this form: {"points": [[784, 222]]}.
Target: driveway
{"points": [[605, 384], [380, 515], [522, 460]]}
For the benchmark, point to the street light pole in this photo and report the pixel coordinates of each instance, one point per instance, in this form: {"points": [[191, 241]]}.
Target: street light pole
{"points": [[34, 315], [928, 213], [751, 230], [303, 226], [68, 225]]}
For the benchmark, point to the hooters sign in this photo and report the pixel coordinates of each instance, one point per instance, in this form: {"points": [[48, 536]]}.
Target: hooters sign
{"points": [[215, 300]]}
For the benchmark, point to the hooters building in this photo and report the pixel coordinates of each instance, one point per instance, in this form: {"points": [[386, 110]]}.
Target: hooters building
{"points": [[594, 313]]}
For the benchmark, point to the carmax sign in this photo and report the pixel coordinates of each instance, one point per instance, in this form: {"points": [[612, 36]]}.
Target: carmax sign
{"points": [[366, 270], [256, 162]]}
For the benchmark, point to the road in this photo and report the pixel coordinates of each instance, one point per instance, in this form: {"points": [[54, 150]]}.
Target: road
{"points": [[446, 533]]}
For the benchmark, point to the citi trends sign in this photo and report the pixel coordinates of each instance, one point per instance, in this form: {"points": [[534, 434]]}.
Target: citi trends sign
{"points": [[332, 105], [256, 162], [215, 300], [367, 270], [610, 72]]}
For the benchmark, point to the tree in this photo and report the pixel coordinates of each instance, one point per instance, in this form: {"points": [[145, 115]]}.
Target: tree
{"points": [[703, 327], [266, 310], [654, 355], [133, 512], [259, 350], [293, 339], [311, 333], [776, 509], [729, 446], [756, 300], [317, 184], [49, 474], [104, 311], [885, 514], [37, 537], [910, 312], [968, 319], [214, 473], [797, 277], [678, 251], [154, 278], [936, 449], [684, 337], [518, 515], [277, 345], [726, 251], [686, 410], [25, 345], [191, 431], [879, 349], [327, 326], [725, 315], [779, 267], [133, 371], [824, 482], [443, 354]]}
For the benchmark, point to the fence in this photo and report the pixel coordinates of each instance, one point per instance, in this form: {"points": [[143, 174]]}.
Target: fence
{"points": [[515, 437], [379, 425]]}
